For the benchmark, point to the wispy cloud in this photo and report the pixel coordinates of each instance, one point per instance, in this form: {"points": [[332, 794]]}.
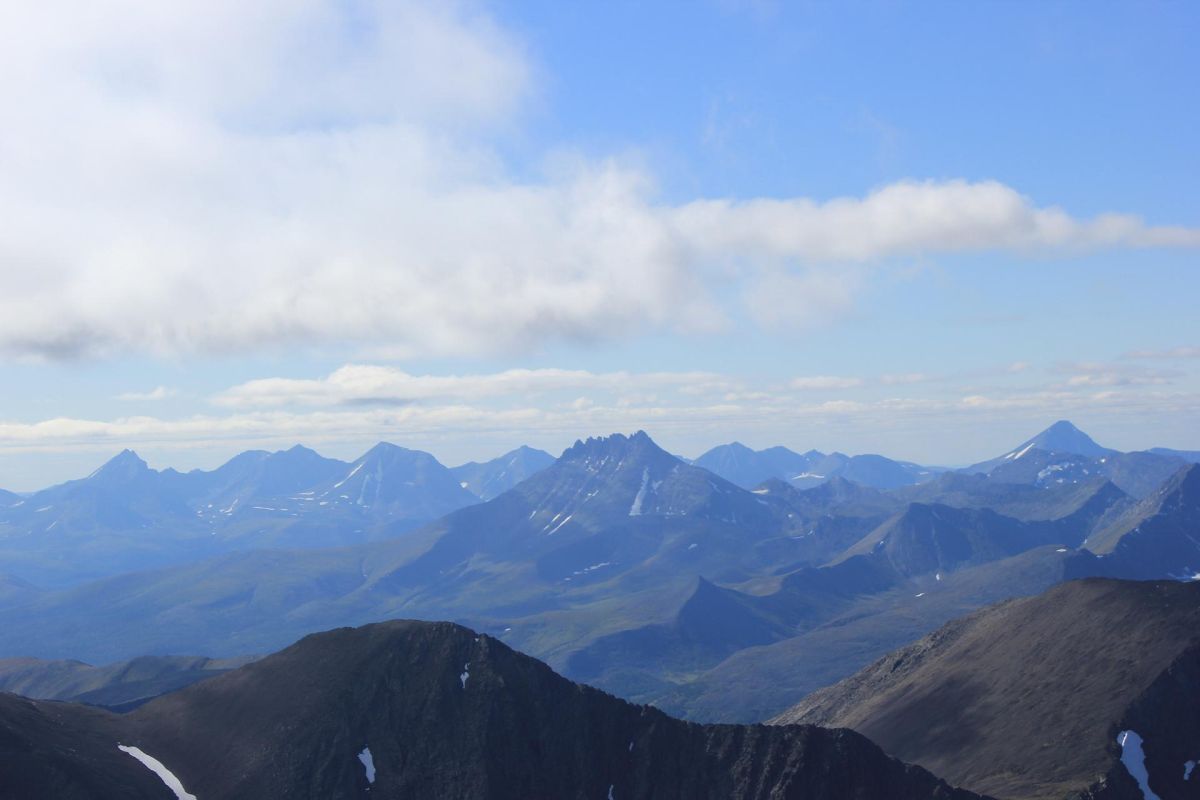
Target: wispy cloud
{"points": [[245, 176], [365, 384], [157, 393], [824, 382], [1181, 352]]}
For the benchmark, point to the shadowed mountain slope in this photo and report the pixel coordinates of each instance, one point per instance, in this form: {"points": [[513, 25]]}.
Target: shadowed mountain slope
{"points": [[1026, 699]]}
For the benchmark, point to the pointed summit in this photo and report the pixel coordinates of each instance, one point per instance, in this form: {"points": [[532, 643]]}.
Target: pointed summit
{"points": [[1062, 437], [124, 466], [397, 482]]}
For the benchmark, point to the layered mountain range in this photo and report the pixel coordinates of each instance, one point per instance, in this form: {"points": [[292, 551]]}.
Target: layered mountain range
{"points": [[623, 566]]}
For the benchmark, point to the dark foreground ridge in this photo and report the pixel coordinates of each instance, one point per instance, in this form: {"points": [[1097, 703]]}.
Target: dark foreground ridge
{"points": [[1027, 699], [425, 710]]}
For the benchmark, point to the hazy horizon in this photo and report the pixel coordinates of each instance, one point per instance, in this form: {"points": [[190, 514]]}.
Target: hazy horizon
{"points": [[834, 227]]}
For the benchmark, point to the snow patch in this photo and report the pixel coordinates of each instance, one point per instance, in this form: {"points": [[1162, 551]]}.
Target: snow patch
{"points": [[693, 546], [636, 509], [922, 594], [760, 491], [368, 762], [611, 786], [466, 673], [807, 475], [156, 766], [1188, 766], [1061, 550], [1134, 760]]}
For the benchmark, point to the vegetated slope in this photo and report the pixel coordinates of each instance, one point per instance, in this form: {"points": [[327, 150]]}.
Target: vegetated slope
{"points": [[1026, 699], [1017, 500], [1159, 537], [120, 686], [490, 479], [433, 710]]}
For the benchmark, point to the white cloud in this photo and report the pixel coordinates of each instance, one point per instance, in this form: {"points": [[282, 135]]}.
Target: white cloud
{"points": [[365, 384], [904, 379], [823, 382], [157, 393], [1180, 352], [224, 176], [778, 419]]}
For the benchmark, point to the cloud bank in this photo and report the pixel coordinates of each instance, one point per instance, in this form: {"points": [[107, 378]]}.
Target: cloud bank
{"points": [[227, 177]]}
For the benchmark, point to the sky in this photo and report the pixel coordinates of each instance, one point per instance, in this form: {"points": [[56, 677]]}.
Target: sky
{"points": [[924, 230]]}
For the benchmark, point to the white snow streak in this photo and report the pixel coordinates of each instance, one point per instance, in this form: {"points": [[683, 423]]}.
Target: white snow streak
{"points": [[466, 673], [636, 509], [1015, 455], [156, 766], [1188, 766], [559, 525], [368, 762], [340, 483], [1134, 760]]}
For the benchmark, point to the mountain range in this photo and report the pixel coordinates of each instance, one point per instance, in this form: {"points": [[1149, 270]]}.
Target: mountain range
{"points": [[654, 579], [126, 516]]}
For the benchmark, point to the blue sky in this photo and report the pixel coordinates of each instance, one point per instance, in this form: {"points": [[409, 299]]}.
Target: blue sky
{"points": [[926, 230]]}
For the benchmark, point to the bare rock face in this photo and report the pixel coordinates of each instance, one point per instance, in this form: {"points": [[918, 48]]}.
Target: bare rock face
{"points": [[429, 710], [1027, 699]]}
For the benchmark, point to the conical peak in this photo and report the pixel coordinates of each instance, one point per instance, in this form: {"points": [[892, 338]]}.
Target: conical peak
{"points": [[1064, 437], [125, 464]]}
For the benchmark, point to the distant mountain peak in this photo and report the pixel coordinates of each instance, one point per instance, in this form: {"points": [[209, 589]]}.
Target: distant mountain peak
{"points": [[618, 444], [1063, 437], [126, 464]]}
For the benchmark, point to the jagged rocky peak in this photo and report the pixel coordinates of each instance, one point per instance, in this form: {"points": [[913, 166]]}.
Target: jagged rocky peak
{"points": [[598, 451]]}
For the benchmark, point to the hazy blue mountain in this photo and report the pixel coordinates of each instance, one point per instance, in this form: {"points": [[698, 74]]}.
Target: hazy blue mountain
{"points": [[427, 710], [406, 486], [257, 476], [490, 479], [126, 516], [1063, 454], [8, 498], [748, 468], [1061, 437], [1026, 699], [1187, 455]]}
